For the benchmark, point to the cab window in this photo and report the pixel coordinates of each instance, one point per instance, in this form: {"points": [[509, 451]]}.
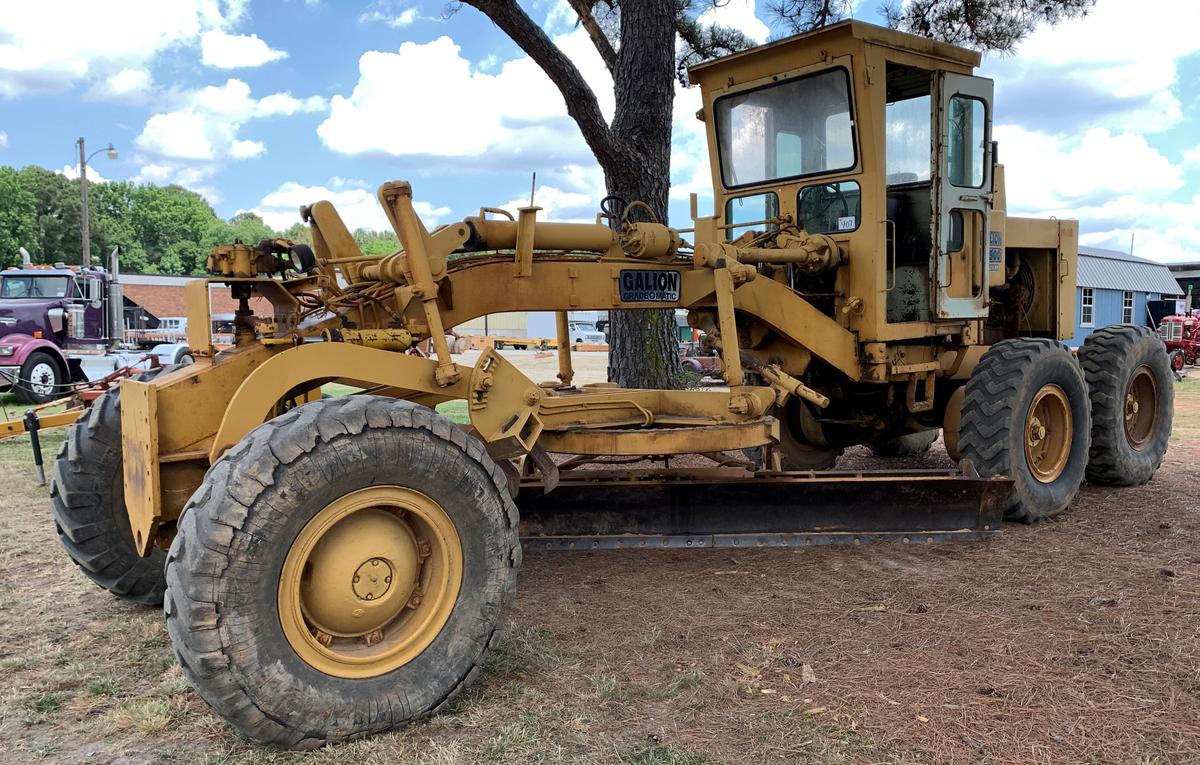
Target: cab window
{"points": [[16, 287], [965, 139], [789, 129], [829, 208], [747, 213]]}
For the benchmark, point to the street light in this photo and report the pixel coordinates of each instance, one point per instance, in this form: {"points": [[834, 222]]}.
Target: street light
{"points": [[86, 259]]}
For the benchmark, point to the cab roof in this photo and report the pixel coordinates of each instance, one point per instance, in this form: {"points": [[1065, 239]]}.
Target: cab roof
{"points": [[868, 33], [48, 271]]}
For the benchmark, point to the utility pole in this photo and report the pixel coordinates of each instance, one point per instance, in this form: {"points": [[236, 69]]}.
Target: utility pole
{"points": [[85, 250]]}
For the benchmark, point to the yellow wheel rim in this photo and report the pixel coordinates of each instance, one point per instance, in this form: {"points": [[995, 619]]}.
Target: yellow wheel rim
{"points": [[1048, 426], [370, 581], [1141, 407]]}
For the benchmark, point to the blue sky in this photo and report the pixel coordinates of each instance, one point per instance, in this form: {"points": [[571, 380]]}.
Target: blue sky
{"points": [[266, 106]]}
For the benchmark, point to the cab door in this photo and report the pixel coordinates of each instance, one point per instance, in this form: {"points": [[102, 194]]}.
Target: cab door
{"points": [[962, 183]]}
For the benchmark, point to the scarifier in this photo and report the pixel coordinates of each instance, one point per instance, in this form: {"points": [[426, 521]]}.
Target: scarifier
{"points": [[337, 567]]}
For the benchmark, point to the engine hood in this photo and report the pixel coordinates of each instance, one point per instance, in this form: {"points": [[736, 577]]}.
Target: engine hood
{"points": [[27, 317]]}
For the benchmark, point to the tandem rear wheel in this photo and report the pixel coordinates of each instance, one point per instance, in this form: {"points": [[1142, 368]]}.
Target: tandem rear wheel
{"points": [[1034, 413], [1132, 393], [342, 571]]}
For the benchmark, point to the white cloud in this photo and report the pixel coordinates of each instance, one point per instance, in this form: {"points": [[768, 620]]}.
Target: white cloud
{"points": [[1078, 111], [72, 172], [384, 11], [1112, 68], [357, 207], [129, 85], [406, 17], [189, 144], [205, 123], [3, 140], [431, 214], [740, 15], [196, 177], [226, 51], [51, 46], [506, 131], [1115, 185], [509, 129], [180, 135], [559, 205], [246, 149], [1045, 171]]}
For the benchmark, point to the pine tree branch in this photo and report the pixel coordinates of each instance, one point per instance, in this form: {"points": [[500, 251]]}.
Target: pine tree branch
{"points": [[603, 45], [581, 101], [703, 42], [996, 25]]}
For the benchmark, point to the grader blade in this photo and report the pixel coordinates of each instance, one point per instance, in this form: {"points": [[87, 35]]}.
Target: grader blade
{"points": [[667, 509]]}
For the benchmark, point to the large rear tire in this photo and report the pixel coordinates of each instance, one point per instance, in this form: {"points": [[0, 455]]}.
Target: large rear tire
{"points": [[87, 496], [1025, 415], [342, 571], [1133, 402]]}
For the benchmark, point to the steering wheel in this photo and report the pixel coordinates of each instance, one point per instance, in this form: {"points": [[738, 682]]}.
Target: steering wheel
{"points": [[816, 201]]}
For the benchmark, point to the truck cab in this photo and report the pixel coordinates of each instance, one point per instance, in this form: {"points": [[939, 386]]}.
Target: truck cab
{"points": [[60, 325]]}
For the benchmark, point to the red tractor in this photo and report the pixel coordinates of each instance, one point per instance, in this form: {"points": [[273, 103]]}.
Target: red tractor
{"points": [[1181, 335]]}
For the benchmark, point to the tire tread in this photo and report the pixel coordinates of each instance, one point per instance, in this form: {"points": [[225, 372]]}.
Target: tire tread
{"points": [[201, 552]]}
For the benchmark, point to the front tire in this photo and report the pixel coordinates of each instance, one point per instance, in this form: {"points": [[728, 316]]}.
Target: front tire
{"points": [[1133, 402], [41, 379], [87, 496], [796, 451], [1025, 415], [271, 605]]}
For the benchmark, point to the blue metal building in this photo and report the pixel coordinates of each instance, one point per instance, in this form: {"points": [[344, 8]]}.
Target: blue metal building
{"points": [[1113, 287]]}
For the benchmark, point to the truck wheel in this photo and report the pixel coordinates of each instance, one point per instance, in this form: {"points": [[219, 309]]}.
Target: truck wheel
{"points": [[691, 366], [1133, 402], [40, 380], [87, 495], [1025, 415], [907, 445], [1177, 360], [342, 571]]}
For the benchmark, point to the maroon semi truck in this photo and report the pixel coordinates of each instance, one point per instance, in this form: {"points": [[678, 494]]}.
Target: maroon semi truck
{"points": [[61, 325]]}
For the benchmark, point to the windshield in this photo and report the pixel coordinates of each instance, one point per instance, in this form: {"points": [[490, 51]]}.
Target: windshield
{"points": [[15, 287], [795, 128]]}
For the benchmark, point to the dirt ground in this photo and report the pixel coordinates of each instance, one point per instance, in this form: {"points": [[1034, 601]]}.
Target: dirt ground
{"points": [[1072, 641]]}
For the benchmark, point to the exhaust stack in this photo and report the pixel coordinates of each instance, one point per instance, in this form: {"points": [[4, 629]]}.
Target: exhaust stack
{"points": [[116, 300], [26, 258]]}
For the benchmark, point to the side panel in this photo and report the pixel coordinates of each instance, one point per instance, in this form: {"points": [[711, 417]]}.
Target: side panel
{"points": [[139, 445], [1068, 258]]}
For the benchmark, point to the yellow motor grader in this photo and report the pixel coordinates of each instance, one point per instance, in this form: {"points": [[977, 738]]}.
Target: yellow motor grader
{"points": [[340, 566]]}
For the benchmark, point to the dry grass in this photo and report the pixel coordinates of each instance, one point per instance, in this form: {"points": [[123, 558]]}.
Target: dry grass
{"points": [[1072, 641]]}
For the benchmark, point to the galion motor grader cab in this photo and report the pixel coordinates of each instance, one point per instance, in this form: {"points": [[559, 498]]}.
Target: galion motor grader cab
{"points": [[336, 567]]}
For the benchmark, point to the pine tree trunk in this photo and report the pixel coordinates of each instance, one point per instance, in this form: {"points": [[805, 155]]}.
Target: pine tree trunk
{"points": [[643, 346]]}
